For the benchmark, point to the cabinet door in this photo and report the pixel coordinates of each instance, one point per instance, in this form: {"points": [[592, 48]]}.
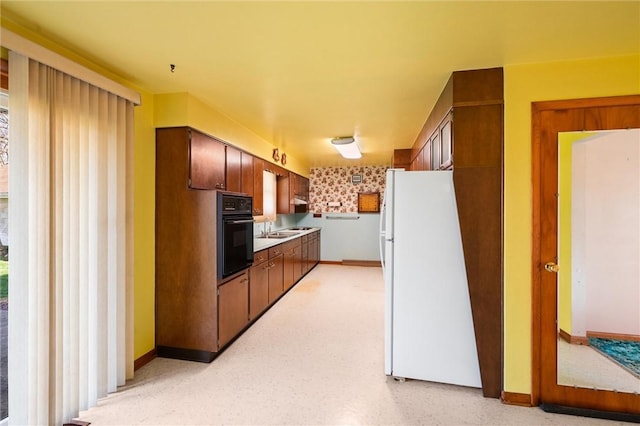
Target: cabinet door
{"points": [[446, 143], [316, 249], [304, 260], [258, 289], [297, 263], [276, 288], [306, 184], [284, 203], [313, 251], [246, 167], [301, 192], [233, 308], [234, 171], [426, 156], [435, 151], [206, 162], [258, 168], [420, 161], [288, 270]]}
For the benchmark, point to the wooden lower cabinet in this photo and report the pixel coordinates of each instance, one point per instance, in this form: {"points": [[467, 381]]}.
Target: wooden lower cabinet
{"points": [[291, 272], [276, 273], [237, 302], [314, 249], [259, 284], [233, 308], [297, 262], [304, 260], [310, 251]]}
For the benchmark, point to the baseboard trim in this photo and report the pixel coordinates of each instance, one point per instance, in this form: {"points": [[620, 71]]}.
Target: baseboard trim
{"points": [[514, 398], [615, 336], [144, 359], [368, 263], [349, 262], [574, 340]]}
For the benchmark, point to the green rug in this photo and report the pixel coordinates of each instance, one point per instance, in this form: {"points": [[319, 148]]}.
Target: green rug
{"points": [[623, 352]]}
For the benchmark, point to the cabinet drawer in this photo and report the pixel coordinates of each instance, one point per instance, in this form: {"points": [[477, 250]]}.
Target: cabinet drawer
{"points": [[275, 251], [260, 256], [290, 245]]}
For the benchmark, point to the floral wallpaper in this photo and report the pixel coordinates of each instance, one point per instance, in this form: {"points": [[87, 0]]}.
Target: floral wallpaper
{"points": [[333, 184]]}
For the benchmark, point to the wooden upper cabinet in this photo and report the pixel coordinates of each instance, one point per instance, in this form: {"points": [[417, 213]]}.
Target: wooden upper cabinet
{"points": [[234, 169], [292, 193], [401, 159], [435, 151], [258, 168], [420, 161], [446, 143], [246, 167], [426, 156], [284, 194], [206, 161]]}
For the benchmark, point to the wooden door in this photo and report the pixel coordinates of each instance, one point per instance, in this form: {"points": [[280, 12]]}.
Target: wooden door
{"points": [[548, 120]]}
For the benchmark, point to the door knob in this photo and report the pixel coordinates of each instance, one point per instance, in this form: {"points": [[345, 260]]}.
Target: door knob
{"points": [[551, 267]]}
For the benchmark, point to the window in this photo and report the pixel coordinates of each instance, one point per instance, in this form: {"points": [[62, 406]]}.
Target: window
{"points": [[269, 196]]}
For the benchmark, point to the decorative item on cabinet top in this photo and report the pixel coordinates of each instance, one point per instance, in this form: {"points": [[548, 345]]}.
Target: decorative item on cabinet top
{"points": [[276, 154]]}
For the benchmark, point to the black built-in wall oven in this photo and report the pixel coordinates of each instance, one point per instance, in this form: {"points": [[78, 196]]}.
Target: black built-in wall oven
{"points": [[235, 233]]}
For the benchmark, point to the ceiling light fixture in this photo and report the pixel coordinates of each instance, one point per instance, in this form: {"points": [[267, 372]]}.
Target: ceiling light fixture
{"points": [[347, 147]]}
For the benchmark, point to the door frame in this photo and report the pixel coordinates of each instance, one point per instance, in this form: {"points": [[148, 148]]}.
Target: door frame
{"points": [[549, 118]]}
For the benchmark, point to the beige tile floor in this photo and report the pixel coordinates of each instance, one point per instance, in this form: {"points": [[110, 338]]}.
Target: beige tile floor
{"points": [[315, 358]]}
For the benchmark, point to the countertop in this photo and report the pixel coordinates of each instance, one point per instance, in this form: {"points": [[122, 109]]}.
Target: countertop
{"points": [[260, 243]]}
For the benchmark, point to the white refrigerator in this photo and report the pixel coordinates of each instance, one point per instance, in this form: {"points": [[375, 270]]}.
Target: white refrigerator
{"points": [[429, 331]]}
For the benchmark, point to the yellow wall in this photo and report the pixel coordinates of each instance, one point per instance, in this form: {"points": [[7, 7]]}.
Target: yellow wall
{"points": [[184, 109], [525, 84], [144, 154]]}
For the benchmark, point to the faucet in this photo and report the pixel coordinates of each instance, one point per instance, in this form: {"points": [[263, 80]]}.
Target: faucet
{"points": [[266, 230]]}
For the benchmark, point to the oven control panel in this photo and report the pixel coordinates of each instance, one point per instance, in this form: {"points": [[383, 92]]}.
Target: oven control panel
{"points": [[234, 204]]}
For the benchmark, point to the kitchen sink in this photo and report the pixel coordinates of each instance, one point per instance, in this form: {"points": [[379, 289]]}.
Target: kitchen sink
{"points": [[281, 234]]}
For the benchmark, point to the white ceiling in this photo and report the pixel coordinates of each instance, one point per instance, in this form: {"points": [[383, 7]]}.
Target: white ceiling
{"points": [[299, 73]]}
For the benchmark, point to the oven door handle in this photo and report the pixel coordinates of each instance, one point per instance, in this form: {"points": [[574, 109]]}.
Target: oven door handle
{"points": [[235, 222]]}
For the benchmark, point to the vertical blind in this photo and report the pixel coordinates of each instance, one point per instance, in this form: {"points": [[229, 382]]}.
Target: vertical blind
{"points": [[70, 225]]}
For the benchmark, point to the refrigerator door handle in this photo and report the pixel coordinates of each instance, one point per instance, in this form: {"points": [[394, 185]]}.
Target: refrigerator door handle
{"points": [[381, 241]]}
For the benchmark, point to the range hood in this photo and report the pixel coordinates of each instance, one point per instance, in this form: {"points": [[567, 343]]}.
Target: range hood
{"points": [[299, 201]]}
